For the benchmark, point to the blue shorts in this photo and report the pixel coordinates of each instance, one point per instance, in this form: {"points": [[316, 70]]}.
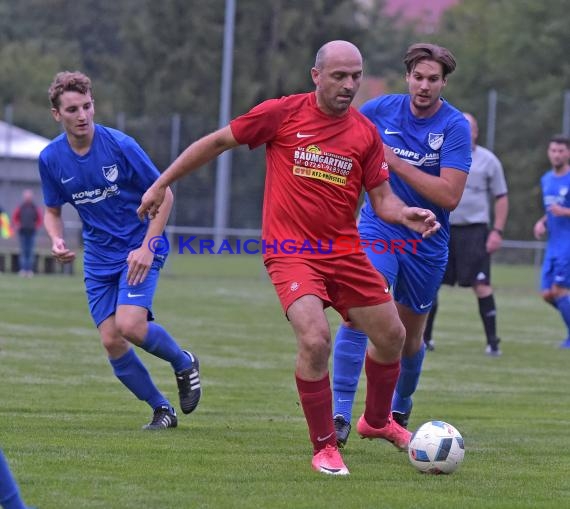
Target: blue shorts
{"points": [[555, 271], [415, 280], [106, 292]]}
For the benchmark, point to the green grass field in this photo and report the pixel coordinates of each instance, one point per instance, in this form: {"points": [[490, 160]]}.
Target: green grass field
{"points": [[72, 433]]}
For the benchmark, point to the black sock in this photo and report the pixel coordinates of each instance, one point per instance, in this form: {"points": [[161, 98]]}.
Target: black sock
{"points": [[488, 313], [429, 323]]}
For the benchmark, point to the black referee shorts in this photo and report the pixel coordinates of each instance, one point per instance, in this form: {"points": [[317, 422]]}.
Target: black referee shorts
{"points": [[469, 262]]}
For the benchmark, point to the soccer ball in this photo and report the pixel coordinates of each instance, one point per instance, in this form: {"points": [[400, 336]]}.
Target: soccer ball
{"points": [[436, 448]]}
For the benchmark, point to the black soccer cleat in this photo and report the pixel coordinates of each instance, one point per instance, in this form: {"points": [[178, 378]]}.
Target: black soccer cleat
{"points": [[342, 430], [189, 389], [402, 418], [162, 418]]}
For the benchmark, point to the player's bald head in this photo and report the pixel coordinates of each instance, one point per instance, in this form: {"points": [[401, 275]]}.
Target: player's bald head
{"points": [[337, 50]]}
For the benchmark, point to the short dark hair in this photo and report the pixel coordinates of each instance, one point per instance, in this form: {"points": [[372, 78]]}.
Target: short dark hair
{"points": [[67, 81], [426, 51], [560, 138]]}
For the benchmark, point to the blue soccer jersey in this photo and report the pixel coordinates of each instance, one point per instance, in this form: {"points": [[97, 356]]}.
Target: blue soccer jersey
{"points": [[105, 186], [555, 190], [440, 141]]}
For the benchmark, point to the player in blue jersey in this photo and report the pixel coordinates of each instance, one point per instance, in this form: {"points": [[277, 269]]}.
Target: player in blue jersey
{"points": [[556, 222], [429, 153], [103, 174], [10, 497]]}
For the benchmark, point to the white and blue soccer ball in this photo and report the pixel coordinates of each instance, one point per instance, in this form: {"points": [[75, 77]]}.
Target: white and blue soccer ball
{"points": [[436, 447]]}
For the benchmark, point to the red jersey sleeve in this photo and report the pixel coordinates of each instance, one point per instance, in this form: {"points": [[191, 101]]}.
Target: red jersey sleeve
{"points": [[260, 124], [374, 166]]}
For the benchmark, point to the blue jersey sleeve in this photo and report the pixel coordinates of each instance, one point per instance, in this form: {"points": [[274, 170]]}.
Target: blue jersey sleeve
{"points": [[144, 170], [456, 149], [368, 109], [51, 189]]}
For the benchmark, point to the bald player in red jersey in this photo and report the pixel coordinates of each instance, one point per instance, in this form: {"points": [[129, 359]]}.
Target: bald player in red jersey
{"points": [[320, 154]]}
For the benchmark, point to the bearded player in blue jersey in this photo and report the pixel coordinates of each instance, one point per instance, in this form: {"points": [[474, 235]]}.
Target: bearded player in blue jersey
{"points": [[555, 184], [428, 149], [103, 174]]}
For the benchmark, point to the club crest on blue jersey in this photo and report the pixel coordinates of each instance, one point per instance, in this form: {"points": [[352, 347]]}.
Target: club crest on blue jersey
{"points": [[111, 172], [435, 141]]}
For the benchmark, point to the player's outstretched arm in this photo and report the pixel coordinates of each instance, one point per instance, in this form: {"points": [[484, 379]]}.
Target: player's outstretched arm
{"points": [[196, 155], [393, 210]]}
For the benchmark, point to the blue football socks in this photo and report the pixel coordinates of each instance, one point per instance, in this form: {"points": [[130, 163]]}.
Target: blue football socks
{"points": [[411, 368], [348, 358], [160, 343], [132, 373], [9, 493], [563, 306]]}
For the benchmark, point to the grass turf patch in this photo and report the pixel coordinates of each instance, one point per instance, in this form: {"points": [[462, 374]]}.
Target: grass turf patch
{"points": [[72, 433]]}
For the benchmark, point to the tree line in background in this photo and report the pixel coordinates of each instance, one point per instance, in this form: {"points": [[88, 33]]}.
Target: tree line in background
{"points": [[149, 60]]}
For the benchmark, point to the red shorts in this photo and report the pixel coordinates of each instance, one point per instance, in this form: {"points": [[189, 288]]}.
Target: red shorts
{"points": [[343, 283]]}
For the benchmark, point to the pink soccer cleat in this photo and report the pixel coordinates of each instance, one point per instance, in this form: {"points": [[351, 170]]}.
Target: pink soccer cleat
{"points": [[392, 432], [329, 461]]}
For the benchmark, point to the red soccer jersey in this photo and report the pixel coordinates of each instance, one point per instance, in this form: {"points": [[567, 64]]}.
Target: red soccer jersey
{"points": [[317, 165]]}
